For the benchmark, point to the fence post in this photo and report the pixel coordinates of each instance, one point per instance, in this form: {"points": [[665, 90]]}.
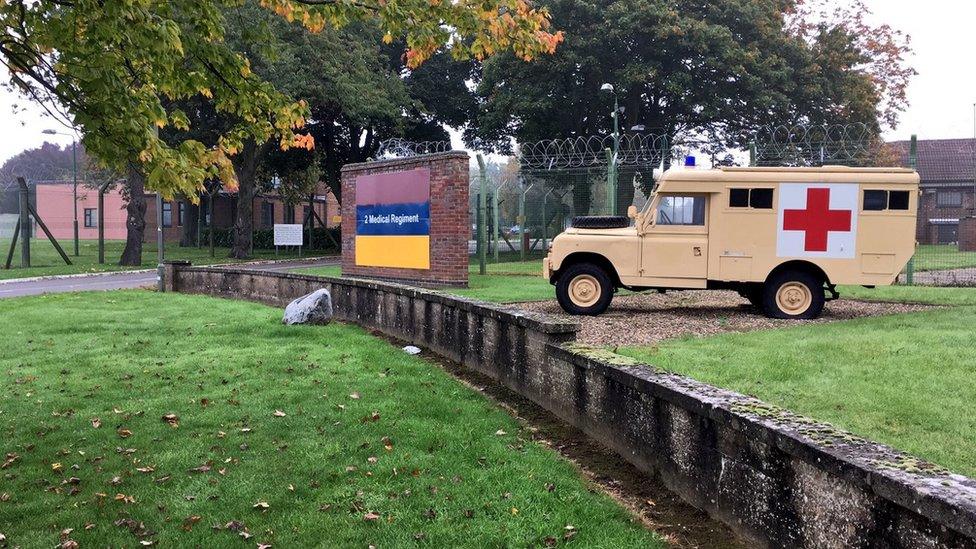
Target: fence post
{"points": [[482, 216], [611, 183], [913, 164], [159, 243], [494, 213], [101, 223], [25, 223]]}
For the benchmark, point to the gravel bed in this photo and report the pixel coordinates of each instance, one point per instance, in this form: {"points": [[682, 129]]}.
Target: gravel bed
{"points": [[647, 318]]}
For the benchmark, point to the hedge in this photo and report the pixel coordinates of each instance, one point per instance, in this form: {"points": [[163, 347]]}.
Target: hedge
{"points": [[264, 238]]}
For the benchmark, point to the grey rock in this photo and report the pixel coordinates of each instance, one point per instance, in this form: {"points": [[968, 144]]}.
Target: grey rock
{"points": [[314, 308]]}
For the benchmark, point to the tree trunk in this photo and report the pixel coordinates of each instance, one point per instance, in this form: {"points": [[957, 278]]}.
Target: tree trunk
{"points": [[188, 236], [135, 218], [245, 166]]}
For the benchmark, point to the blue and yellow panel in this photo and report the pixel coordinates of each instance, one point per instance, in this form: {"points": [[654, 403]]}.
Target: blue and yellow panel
{"points": [[393, 219]]}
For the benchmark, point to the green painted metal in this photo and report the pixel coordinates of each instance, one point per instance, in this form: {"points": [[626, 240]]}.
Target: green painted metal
{"points": [[482, 215]]}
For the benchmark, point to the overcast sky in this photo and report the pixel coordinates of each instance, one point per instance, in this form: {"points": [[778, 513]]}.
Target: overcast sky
{"points": [[941, 95]]}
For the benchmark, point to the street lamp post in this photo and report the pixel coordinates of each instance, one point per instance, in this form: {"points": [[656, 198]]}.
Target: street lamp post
{"points": [[612, 167], [74, 171]]}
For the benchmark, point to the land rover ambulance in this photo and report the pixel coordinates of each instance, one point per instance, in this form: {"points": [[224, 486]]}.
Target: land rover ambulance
{"points": [[783, 238]]}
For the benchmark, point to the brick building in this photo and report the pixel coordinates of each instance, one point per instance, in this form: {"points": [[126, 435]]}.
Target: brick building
{"points": [[54, 200], [948, 185]]}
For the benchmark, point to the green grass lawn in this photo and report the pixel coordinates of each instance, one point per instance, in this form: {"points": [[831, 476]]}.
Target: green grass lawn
{"points": [[930, 257], [46, 261], [506, 282], [304, 436], [906, 380]]}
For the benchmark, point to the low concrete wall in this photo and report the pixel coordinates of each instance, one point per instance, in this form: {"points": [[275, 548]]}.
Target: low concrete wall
{"points": [[777, 479]]}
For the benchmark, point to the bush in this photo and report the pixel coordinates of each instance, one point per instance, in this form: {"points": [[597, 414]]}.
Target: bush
{"points": [[264, 238]]}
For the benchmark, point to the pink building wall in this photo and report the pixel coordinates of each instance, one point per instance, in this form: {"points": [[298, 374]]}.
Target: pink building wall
{"points": [[54, 206]]}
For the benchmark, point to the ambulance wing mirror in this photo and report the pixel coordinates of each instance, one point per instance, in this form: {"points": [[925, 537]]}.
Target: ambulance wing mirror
{"points": [[632, 211]]}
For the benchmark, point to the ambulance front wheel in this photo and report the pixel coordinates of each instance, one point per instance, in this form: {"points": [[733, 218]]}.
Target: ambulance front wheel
{"points": [[796, 295], [584, 289]]}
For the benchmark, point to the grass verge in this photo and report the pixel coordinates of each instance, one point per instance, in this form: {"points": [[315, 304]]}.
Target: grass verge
{"points": [[905, 380], [45, 260], [296, 436]]}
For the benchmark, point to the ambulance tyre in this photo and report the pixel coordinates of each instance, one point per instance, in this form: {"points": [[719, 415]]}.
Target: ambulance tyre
{"points": [[584, 289], [796, 295]]}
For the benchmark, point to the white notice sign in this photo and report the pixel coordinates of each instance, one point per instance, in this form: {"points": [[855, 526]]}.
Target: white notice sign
{"points": [[287, 235]]}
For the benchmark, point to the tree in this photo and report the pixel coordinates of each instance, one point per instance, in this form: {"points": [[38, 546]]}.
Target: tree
{"points": [[110, 68], [718, 69], [49, 162]]}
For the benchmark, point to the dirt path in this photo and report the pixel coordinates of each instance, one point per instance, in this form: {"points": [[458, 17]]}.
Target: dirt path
{"points": [[647, 318]]}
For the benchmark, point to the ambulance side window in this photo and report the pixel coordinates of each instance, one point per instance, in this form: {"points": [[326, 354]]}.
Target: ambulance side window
{"points": [[876, 201], [751, 198]]}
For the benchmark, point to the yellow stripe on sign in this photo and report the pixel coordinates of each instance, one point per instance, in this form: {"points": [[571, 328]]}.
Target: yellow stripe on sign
{"points": [[407, 252]]}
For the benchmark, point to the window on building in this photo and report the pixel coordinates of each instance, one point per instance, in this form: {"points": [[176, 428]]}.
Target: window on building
{"points": [[875, 200], [289, 214], [681, 210], [167, 214], [948, 199], [267, 213], [751, 198], [91, 218], [180, 213]]}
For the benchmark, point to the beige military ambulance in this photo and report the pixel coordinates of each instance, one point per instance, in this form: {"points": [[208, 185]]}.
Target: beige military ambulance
{"points": [[784, 238]]}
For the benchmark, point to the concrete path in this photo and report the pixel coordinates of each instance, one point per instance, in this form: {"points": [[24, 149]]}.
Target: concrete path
{"points": [[136, 279]]}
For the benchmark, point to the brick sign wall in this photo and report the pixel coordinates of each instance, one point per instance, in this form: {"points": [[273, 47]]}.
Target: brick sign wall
{"points": [[410, 219]]}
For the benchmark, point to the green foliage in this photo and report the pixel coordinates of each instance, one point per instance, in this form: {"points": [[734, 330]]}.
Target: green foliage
{"points": [[118, 70], [716, 69], [263, 239], [348, 440]]}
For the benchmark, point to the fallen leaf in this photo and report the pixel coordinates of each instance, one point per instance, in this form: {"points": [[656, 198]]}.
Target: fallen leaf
{"points": [[500, 432], [69, 544], [9, 460], [124, 498], [202, 468], [234, 526], [147, 469], [370, 516], [264, 546], [262, 505], [172, 419], [5, 497], [124, 433], [96, 423], [189, 521], [515, 511], [279, 413], [57, 467], [355, 396]]}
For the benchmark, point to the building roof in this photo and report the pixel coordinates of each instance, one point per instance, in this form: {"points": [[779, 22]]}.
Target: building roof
{"points": [[942, 161]]}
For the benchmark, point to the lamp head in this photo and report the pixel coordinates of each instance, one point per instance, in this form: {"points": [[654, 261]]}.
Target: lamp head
{"points": [[607, 88]]}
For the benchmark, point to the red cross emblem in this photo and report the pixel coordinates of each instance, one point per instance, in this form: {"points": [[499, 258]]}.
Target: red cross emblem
{"points": [[817, 220]]}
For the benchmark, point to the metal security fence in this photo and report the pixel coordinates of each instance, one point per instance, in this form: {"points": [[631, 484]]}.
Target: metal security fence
{"points": [[532, 195]]}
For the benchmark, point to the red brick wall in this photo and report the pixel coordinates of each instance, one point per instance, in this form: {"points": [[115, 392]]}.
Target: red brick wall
{"points": [[449, 220], [967, 234]]}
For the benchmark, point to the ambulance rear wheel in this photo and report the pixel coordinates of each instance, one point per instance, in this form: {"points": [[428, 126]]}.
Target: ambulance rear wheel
{"points": [[584, 289], [794, 295]]}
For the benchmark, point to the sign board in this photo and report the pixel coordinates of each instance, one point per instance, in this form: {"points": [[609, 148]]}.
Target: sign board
{"points": [[393, 219], [287, 235]]}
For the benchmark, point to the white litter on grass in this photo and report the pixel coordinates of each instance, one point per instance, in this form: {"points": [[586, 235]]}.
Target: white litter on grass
{"points": [[411, 350]]}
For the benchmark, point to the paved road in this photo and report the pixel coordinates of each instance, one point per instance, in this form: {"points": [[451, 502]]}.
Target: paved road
{"points": [[118, 281]]}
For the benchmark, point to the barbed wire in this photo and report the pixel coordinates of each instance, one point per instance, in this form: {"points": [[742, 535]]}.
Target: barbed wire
{"points": [[812, 145], [397, 147], [591, 151]]}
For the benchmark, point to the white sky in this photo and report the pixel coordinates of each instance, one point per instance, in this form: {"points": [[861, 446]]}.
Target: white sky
{"points": [[941, 95]]}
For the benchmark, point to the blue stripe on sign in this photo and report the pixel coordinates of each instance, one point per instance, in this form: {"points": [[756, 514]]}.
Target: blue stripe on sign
{"points": [[393, 219]]}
